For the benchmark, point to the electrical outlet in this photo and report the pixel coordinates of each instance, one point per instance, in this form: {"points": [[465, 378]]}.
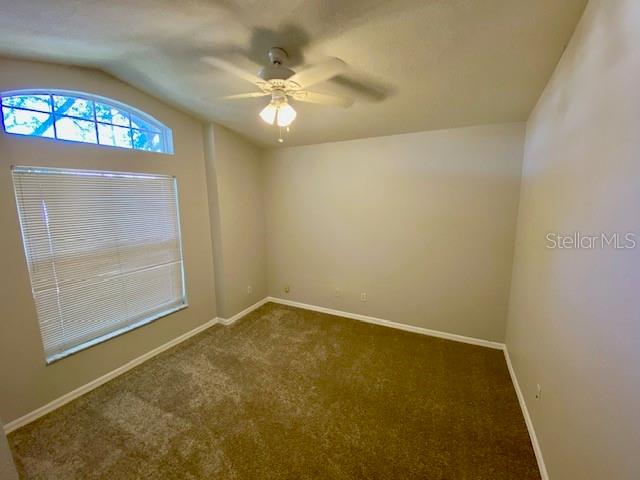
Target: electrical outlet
{"points": [[363, 297], [338, 292], [286, 289], [538, 391], [249, 290]]}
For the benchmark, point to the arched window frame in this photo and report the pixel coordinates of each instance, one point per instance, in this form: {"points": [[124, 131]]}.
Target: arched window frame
{"points": [[165, 132]]}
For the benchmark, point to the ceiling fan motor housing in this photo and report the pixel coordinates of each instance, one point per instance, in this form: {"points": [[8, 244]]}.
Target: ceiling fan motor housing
{"points": [[277, 70], [277, 55]]}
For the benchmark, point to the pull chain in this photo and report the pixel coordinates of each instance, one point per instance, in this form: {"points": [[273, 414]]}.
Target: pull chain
{"points": [[280, 139]]}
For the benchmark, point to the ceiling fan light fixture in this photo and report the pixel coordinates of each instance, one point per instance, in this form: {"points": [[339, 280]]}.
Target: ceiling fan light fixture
{"points": [[268, 113], [286, 115], [281, 84]]}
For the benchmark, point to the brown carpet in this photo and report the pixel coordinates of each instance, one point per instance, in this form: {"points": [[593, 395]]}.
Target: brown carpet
{"points": [[290, 394]]}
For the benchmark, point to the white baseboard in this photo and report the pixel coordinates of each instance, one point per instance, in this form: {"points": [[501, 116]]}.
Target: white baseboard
{"points": [[66, 398], [237, 316], [72, 395], [447, 336], [527, 418], [389, 323]]}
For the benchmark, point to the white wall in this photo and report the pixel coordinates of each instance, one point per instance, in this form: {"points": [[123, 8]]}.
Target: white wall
{"points": [[234, 180], [574, 321], [424, 223]]}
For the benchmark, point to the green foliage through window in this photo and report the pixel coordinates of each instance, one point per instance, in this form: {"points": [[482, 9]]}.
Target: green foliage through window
{"points": [[82, 118]]}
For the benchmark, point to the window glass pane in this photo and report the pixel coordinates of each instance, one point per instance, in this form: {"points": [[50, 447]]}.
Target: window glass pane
{"points": [[137, 122], [115, 136], [76, 107], [25, 122], [82, 119], [78, 130], [149, 141], [109, 114], [42, 103]]}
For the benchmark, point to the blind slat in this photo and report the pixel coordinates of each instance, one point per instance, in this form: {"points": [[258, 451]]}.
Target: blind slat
{"points": [[103, 250]]}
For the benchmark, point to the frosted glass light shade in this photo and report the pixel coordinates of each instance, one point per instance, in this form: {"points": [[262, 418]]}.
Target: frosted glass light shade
{"points": [[286, 115], [268, 113]]}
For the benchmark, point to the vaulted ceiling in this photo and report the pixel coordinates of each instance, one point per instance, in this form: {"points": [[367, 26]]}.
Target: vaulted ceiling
{"points": [[413, 64]]}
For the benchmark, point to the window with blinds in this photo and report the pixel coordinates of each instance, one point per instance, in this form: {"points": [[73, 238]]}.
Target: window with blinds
{"points": [[103, 251]]}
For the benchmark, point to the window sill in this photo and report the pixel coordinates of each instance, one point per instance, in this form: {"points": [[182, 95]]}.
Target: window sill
{"points": [[103, 338]]}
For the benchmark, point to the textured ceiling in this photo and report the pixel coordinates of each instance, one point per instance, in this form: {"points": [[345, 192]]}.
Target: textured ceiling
{"points": [[413, 65]]}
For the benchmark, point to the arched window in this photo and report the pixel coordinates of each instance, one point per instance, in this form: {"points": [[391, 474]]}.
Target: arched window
{"points": [[80, 117]]}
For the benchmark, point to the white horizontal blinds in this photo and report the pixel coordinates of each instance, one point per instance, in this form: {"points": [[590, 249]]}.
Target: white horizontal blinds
{"points": [[103, 251]]}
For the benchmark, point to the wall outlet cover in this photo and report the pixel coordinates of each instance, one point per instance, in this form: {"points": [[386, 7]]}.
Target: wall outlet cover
{"points": [[538, 391]]}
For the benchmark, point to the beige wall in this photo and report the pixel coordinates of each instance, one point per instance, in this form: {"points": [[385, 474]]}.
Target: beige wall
{"points": [[423, 223], [7, 467], [234, 179], [574, 322], [25, 382]]}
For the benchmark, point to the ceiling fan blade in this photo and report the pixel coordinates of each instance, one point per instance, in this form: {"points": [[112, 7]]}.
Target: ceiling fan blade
{"points": [[323, 99], [243, 95], [318, 73], [233, 70]]}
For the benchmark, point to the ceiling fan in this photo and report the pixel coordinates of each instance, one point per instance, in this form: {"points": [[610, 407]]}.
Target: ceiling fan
{"points": [[282, 83]]}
